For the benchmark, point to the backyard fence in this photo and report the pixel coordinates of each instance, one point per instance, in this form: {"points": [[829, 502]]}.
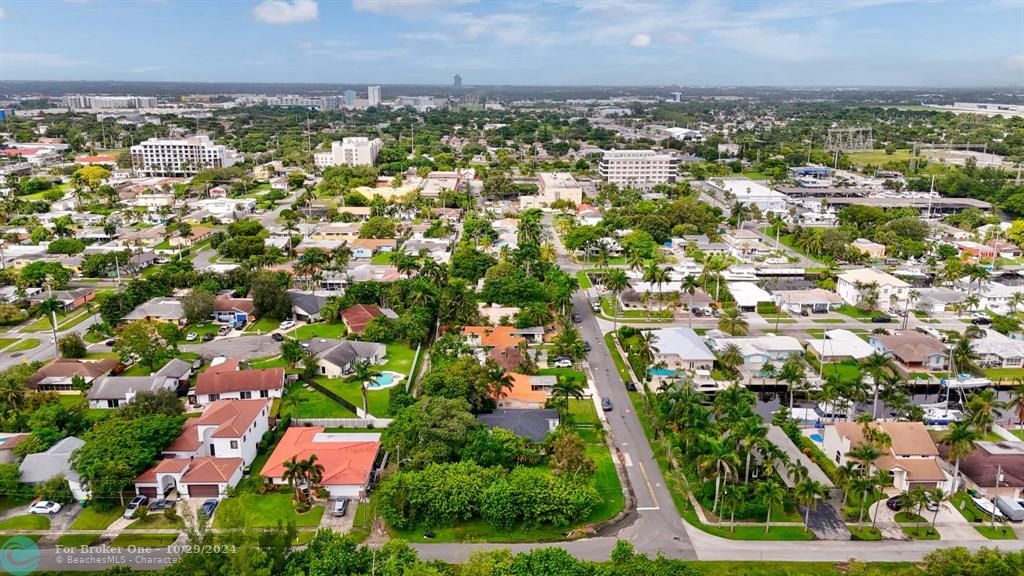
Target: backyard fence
{"points": [[342, 422]]}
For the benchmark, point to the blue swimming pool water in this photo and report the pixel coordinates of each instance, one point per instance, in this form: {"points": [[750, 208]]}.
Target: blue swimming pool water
{"points": [[816, 437], [661, 372], [384, 380]]}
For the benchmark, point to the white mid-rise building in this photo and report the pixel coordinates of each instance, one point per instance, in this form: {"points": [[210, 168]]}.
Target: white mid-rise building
{"points": [[373, 94], [351, 151], [638, 168], [79, 102], [181, 157], [750, 193], [551, 187]]}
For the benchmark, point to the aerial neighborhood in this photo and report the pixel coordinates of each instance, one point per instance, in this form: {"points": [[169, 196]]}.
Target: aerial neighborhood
{"points": [[707, 324]]}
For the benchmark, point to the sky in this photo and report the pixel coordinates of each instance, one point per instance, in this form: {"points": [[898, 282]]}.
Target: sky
{"points": [[943, 43]]}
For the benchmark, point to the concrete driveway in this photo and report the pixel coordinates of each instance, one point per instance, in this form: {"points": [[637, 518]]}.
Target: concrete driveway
{"points": [[952, 525], [885, 521]]}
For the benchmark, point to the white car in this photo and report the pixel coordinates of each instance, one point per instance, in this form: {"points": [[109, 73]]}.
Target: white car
{"points": [[191, 336], [44, 507], [563, 363], [287, 324]]}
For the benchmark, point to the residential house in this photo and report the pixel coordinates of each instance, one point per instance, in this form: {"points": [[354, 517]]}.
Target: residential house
{"points": [[233, 310], [994, 468], [509, 359], [8, 442], [366, 248], [746, 244], [912, 351], [872, 250], [526, 391], [839, 345], [681, 349], [116, 391], [337, 231], [911, 460], [68, 299], [856, 286], [532, 424], [998, 351], [55, 461], [358, 316], [306, 306], [159, 309], [938, 299], [58, 375], [227, 380], [201, 477], [759, 350], [227, 428], [348, 460], [495, 313], [488, 337], [337, 358], [994, 296], [815, 300], [748, 295], [196, 235]]}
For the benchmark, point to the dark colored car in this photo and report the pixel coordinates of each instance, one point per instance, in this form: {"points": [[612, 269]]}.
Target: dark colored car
{"points": [[981, 321], [804, 312], [630, 386], [207, 337], [577, 318], [606, 404], [110, 342], [160, 504], [208, 507], [894, 503], [276, 337], [881, 319], [586, 346]]}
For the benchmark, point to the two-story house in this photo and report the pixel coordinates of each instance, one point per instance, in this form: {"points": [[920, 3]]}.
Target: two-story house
{"points": [[911, 458], [227, 381]]}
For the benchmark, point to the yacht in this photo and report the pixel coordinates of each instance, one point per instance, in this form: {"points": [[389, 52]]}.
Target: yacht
{"points": [[966, 382], [740, 274]]}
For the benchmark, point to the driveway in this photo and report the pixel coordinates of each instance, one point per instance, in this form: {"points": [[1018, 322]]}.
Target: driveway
{"points": [[825, 522], [885, 521], [952, 525], [338, 523]]}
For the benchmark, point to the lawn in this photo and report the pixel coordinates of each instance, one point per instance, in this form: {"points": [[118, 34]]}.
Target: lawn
{"points": [[381, 258], [997, 532], [608, 310], [76, 540], [26, 522], [827, 320], [319, 330], [847, 371], [567, 373], [22, 345], [962, 502], [144, 540], [878, 157], [399, 359], [1018, 433], [584, 280], [93, 519], [157, 521], [272, 362], [304, 537], [902, 517], [787, 241], [377, 401], [606, 481], [5, 342], [620, 364], [1000, 374], [865, 533], [921, 533], [265, 510], [203, 328], [262, 326], [583, 418], [479, 530], [312, 404], [857, 313], [788, 533]]}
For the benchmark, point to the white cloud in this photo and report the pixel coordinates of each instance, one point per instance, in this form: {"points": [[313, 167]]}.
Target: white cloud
{"points": [[3, 13], [145, 69], [286, 12], [38, 59], [403, 7], [1015, 62], [771, 44], [640, 40]]}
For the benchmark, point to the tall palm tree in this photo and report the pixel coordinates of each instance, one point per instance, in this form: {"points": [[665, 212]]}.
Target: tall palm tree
{"points": [[719, 460], [644, 346], [1016, 300], [50, 307], [731, 357], [616, 282], [364, 371], [567, 388], [808, 491], [964, 357], [938, 496], [771, 494], [961, 440], [982, 407], [655, 275], [293, 474], [732, 322], [689, 285], [1017, 398], [877, 365], [792, 374]]}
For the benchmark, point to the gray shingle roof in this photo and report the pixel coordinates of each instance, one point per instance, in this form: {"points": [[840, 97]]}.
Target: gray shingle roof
{"points": [[528, 423], [42, 466]]}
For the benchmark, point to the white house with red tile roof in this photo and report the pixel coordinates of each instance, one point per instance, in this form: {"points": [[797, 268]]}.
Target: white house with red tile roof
{"points": [[203, 477], [226, 381], [348, 459]]}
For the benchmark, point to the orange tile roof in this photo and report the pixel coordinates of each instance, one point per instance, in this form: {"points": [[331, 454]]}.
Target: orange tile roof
{"points": [[908, 438], [209, 469], [223, 381], [500, 337], [168, 466], [231, 417], [344, 462], [522, 391], [918, 469]]}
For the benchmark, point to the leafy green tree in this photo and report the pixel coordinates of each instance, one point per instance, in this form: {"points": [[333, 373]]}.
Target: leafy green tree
{"points": [[72, 346], [270, 296], [141, 342], [377, 227], [569, 454], [198, 305], [431, 430]]}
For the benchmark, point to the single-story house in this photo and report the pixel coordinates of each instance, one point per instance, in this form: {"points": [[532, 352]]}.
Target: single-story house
{"points": [[68, 299], [681, 349], [228, 309], [758, 350], [196, 235], [160, 309], [488, 337], [912, 459], [816, 300], [869, 248], [8, 442], [509, 359], [55, 461], [336, 358], [116, 391], [532, 424], [839, 345], [365, 248], [306, 306], [526, 391], [981, 466], [748, 295], [227, 381], [58, 375], [348, 460], [358, 316], [999, 351], [494, 313], [912, 350]]}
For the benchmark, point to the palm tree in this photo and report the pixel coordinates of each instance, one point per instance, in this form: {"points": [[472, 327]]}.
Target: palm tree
{"points": [[981, 407], [877, 365], [616, 282], [792, 374], [719, 459], [731, 357], [689, 285], [643, 346], [566, 388], [963, 356], [312, 470], [364, 371], [655, 275], [807, 492], [937, 496], [1017, 398], [499, 382], [770, 493], [844, 479], [1016, 300], [50, 307], [293, 474], [768, 370], [960, 439], [732, 322]]}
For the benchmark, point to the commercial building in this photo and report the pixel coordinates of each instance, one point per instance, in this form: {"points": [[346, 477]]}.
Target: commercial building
{"points": [[373, 94], [80, 102], [750, 193], [349, 98], [181, 157], [551, 187], [638, 168], [351, 151]]}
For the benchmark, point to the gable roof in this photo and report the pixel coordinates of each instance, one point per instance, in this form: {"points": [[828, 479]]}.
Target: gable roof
{"points": [[522, 390], [218, 380], [528, 423], [211, 470], [118, 387], [347, 458], [69, 367], [42, 466], [307, 302], [161, 307], [683, 342], [869, 275], [911, 346], [343, 352], [225, 303], [992, 458], [230, 417], [494, 336], [908, 438], [358, 316], [507, 358]]}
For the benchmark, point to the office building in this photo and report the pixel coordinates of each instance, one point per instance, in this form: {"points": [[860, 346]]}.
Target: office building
{"points": [[637, 168], [350, 97], [181, 157], [351, 151], [80, 102], [373, 94]]}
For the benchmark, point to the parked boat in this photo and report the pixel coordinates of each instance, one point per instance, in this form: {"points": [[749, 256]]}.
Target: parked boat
{"points": [[941, 416], [966, 382]]}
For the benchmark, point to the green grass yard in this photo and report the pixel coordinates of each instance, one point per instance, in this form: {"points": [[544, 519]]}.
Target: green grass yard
{"points": [[76, 540], [865, 533], [262, 326], [999, 532], [923, 532], [381, 258], [1004, 374], [878, 157], [1018, 433], [319, 330], [620, 364], [144, 540], [312, 404], [399, 359], [93, 519], [26, 522], [606, 481], [265, 510], [157, 521], [377, 401], [962, 502], [22, 345], [857, 313], [584, 280]]}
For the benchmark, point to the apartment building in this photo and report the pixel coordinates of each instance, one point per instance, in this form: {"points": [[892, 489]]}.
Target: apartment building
{"points": [[351, 151], [80, 102], [373, 94], [181, 157], [638, 168]]}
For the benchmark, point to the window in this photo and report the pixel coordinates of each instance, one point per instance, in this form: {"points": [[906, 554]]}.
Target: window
{"points": [[234, 444], [214, 397], [264, 394], [246, 395]]}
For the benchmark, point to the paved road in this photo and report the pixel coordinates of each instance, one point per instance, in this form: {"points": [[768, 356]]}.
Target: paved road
{"points": [[244, 347]]}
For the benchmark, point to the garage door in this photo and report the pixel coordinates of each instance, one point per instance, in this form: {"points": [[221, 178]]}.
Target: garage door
{"points": [[203, 490], [146, 491]]}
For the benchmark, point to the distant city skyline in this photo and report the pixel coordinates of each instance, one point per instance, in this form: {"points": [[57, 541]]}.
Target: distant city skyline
{"points": [[551, 42]]}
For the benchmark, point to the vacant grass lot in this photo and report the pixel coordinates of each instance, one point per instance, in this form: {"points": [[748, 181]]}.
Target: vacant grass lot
{"points": [[312, 404], [377, 401], [266, 510], [319, 330], [878, 157], [92, 519], [857, 313]]}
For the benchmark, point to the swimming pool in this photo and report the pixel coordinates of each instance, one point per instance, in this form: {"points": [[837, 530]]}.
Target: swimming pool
{"points": [[662, 372], [385, 380], [817, 438]]}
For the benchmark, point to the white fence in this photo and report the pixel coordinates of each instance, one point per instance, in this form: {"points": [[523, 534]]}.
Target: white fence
{"points": [[342, 422]]}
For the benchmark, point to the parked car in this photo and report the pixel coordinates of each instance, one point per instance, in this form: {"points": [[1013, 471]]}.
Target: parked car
{"points": [[208, 507], [563, 363], [894, 503], [804, 312], [110, 342], [586, 346], [277, 337], [340, 506], [191, 337], [881, 319], [208, 336], [160, 504], [45, 507], [134, 505], [577, 318], [595, 305], [981, 320], [606, 404], [286, 325], [630, 386], [223, 330]]}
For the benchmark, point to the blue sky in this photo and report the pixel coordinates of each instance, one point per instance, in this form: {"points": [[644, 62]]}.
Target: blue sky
{"points": [[704, 42]]}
